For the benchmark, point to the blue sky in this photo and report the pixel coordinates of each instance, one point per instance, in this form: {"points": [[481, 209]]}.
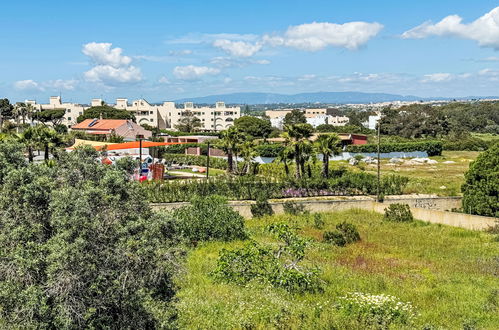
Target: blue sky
{"points": [[164, 50]]}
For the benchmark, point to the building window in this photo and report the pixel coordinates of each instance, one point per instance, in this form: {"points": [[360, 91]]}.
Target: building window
{"points": [[69, 118], [152, 119], [150, 112]]}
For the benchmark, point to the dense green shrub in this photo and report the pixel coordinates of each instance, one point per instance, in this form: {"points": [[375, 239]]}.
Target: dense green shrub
{"points": [[82, 249], [293, 208], [433, 148], [269, 149], [277, 267], [481, 187], [209, 218], [468, 143], [344, 234], [398, 213], [261, 207]]}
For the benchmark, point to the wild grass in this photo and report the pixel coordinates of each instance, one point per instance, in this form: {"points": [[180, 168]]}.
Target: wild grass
{"points": [[450, 276]]}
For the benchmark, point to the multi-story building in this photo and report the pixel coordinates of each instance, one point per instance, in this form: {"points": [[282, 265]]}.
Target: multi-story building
{"points": [[164, 116], [73, 110], [314, 117]]}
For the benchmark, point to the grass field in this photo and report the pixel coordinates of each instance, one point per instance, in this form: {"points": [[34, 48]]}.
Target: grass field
{"points": [[450, 275], [441, 179]]}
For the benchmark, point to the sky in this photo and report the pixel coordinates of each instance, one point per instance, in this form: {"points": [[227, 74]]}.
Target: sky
{"points": [[167, 50]]}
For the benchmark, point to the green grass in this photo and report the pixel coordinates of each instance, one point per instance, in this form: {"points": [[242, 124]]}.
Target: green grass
{"points": [[441, 179], [212, 172], [449, 274]]}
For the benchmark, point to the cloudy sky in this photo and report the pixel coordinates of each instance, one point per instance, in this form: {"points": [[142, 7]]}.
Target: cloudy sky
{"points": [[165, 50]]}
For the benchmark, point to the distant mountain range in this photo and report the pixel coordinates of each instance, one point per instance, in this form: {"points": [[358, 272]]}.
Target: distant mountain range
{"points": [[318, 97]]}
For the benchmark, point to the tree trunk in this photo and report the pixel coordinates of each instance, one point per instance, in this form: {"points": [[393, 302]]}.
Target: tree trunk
{"points": [[229, 161], [46, 156], [297, 161], [325, 164], [286, 168], [309, 170], [30, 154]]}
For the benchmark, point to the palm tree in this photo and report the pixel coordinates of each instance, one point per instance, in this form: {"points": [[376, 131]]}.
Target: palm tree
{"points": [[29, 139], [298, 133], [328, 145], [285, 156], [30, 110], [19, 111], [248, 153], [230, 139], [308, 157]]}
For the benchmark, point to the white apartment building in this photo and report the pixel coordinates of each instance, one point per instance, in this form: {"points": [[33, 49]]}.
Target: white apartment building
{"points": [[314, 117], [167, 115], [73, 110]]}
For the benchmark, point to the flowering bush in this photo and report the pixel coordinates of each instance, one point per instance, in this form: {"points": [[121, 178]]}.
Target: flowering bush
{"points": [[377, 311]]}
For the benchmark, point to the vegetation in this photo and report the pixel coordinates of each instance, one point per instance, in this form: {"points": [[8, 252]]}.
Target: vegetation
{"points": [[188, 122], [261, 207], [398, 212], [481, 188], [209, 218], [253, 127], [52, 116], [433, 148], [345, 233], [294, 117], [81, 248], [105, 112], [415, 262], [293, 208]]}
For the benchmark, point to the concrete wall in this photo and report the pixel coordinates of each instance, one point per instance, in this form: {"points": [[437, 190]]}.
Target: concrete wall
{"points": [[426, 208]]}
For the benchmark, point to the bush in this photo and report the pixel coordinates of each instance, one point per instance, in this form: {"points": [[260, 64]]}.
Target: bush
{"points": [[318, 221], [376, 311], [269, 149], [261, 207], [279, 268], [344, 234], [209, 218], [433, 148], [398, 213], [481, 187], [293, 208]]}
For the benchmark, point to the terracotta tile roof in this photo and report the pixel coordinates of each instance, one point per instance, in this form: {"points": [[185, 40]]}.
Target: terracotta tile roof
{"points": [[100, 124]]}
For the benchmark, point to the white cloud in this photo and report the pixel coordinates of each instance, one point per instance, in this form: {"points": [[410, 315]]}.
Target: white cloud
{"points": [[182, 52], [108, 74], [437, 77], [69, 85], [317, 36], [102, 54], [263, 62], [484, 30], [192, 72], [237, 48], [111, 66], [164, 80], [28, 84]]}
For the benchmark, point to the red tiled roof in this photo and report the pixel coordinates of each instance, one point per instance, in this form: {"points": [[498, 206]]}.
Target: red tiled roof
{"points": [[135, 144], [100, 124]]}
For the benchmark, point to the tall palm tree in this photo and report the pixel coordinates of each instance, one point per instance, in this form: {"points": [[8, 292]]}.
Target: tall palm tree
{"points": [[285, 156], [328, 145], [230, 140], [29, 139], [308, 157], [248, 153], [298, 134], [19, 111], [30, 110]]}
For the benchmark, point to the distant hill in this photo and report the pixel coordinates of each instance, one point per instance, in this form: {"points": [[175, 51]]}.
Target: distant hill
{"points": [[319, 97]]}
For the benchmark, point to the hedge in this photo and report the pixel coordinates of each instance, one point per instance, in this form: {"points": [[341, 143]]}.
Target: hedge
{"points": [[433, 148], [269, 149], [250, 187], [177, 133]]}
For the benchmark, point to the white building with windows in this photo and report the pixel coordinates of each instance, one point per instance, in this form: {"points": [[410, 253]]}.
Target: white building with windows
{"points": [[73, 110], [164, 116]]}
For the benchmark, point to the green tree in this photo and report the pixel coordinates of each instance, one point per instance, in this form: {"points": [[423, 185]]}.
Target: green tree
{"points": [[53, 116], [81, 248], [294, 117], [188, 122], [5, 111], [328, 145], [296, 135], [248, 153], [481, 187], [285, 157], [106, 112], [230, 140], [253, 126]]}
